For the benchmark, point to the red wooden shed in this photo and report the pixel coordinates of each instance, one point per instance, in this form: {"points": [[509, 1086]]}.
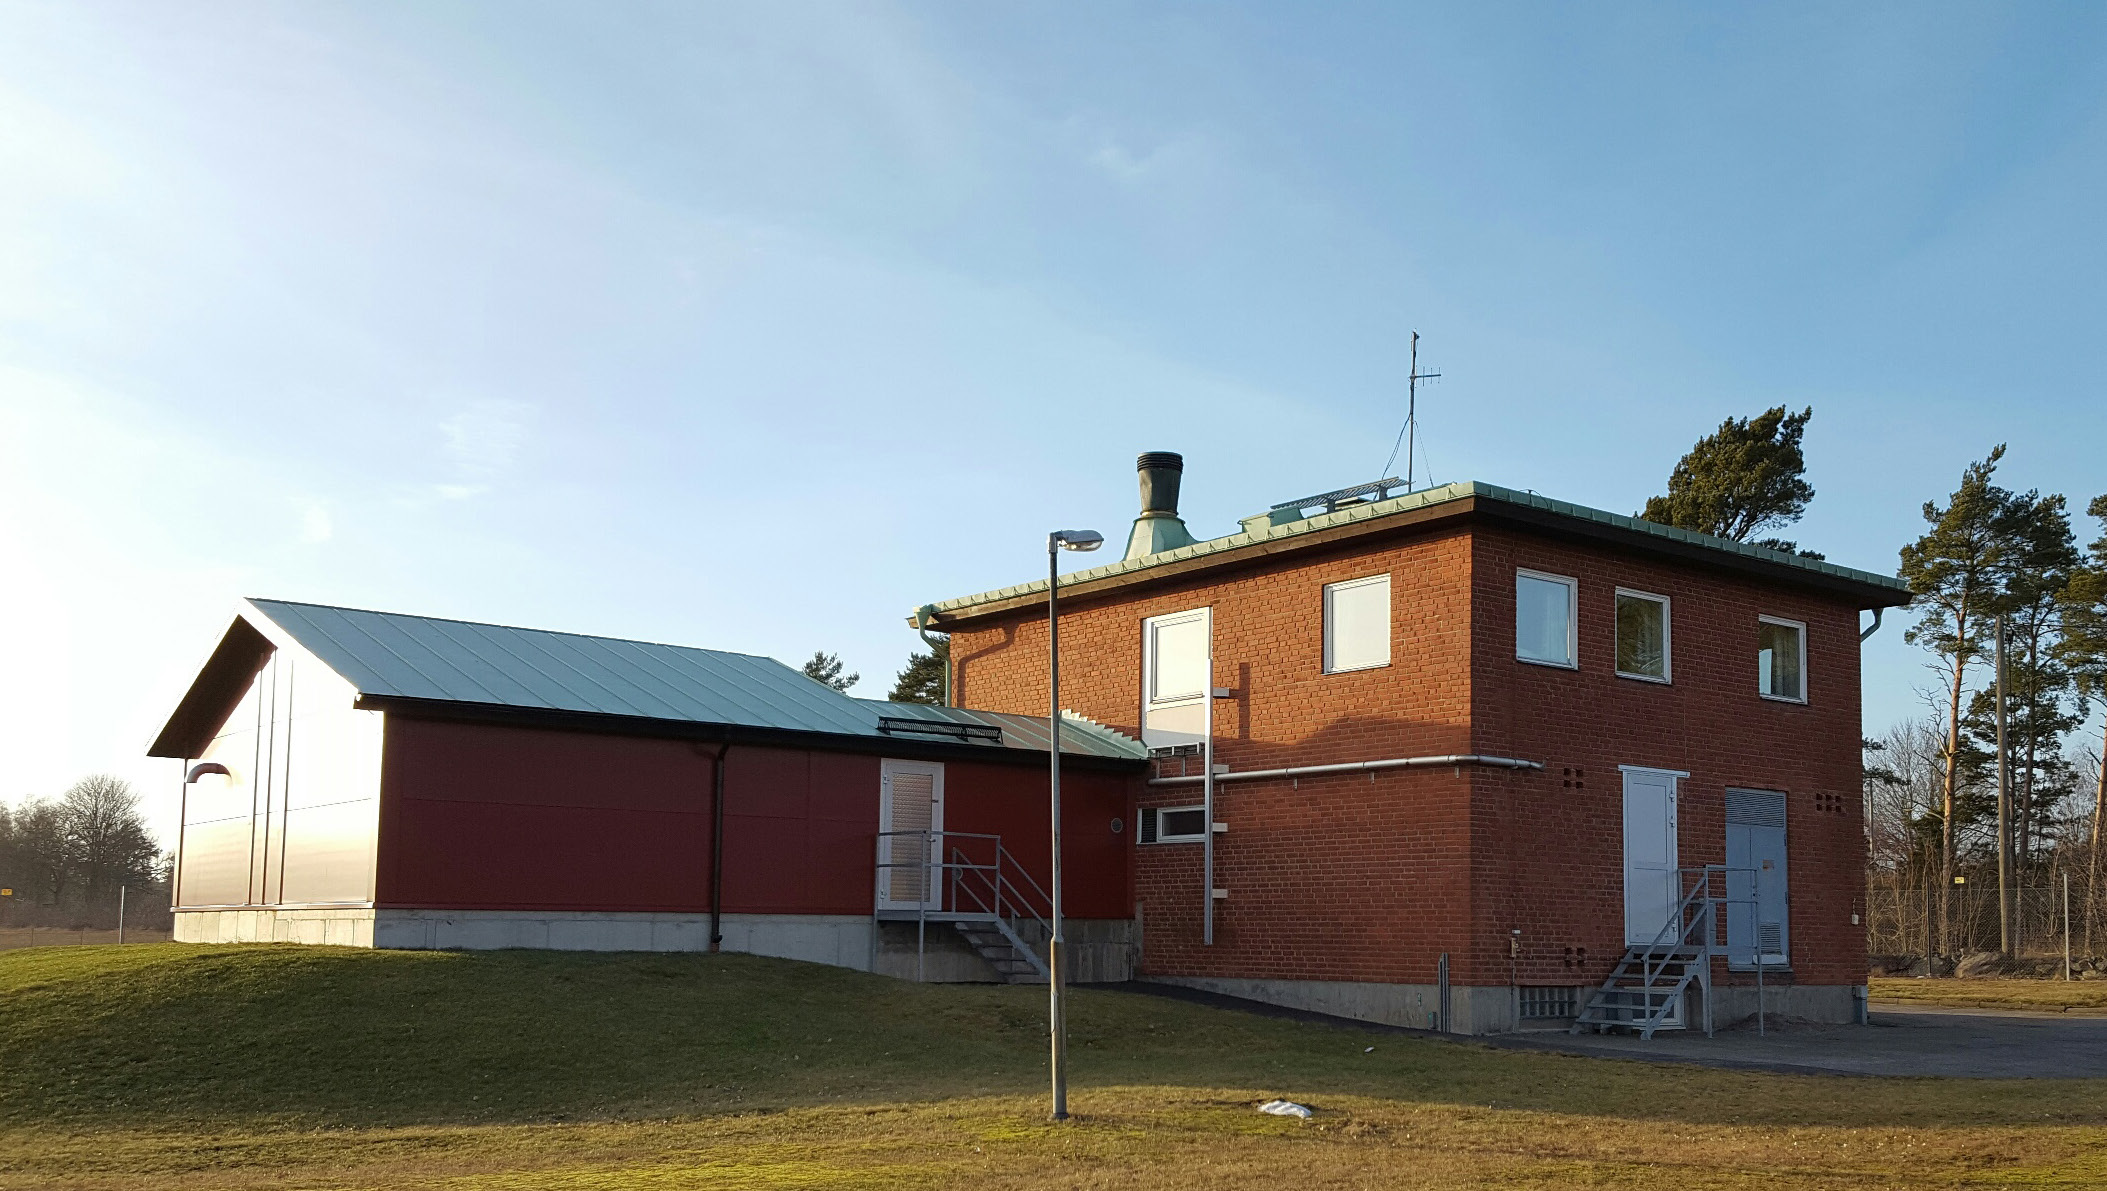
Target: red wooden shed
{"points": [[374, 779]]}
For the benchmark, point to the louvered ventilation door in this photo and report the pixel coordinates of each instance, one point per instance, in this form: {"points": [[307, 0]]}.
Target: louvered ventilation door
{"points": [[914, 809], [1756, 808]]}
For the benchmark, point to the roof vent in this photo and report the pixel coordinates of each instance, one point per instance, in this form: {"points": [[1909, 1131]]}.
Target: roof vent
{"points": [[1159, 527]]}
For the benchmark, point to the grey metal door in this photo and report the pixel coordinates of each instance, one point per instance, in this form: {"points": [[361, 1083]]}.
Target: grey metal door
{"points": [[1757, 885]]}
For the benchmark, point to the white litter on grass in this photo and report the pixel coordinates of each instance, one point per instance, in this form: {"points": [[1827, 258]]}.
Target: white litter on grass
{"points": [[1285, 1108]]}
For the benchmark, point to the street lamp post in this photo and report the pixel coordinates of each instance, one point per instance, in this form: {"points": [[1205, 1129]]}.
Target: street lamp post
{"points": [[1056, 1010]]}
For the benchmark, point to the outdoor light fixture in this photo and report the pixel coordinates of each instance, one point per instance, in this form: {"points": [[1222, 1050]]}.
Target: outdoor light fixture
{"points": [[206, 769], [1056, 1014]]}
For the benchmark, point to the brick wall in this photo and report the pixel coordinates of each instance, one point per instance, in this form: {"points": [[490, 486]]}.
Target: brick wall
{"points": [[1359, 878], [1551, 856]]}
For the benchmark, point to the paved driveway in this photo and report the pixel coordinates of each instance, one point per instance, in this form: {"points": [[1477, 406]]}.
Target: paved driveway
{"points": [[1967, 1043]]}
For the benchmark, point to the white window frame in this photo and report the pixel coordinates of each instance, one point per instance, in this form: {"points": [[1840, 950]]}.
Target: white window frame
{"points": [[1667, 675], [1572, 618], [1348, 585], [1799, 626], [1160, 811], [1150, 705]]}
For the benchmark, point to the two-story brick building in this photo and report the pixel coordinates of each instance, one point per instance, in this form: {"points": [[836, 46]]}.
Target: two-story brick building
{"points": [[1470, 729]]}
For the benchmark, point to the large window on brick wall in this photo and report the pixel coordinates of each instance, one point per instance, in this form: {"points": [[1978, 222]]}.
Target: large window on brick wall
{"points": [[1642, 635], [1781, 659], [1545, 618], [1357, 624]]}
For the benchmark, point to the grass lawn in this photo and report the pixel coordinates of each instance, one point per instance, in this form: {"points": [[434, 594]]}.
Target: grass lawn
{"points": [[1993, 992], [174, 1066]]}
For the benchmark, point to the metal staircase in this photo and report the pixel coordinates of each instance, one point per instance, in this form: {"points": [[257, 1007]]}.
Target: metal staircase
{"points": [[1012, 958], [1648, 988], [972, 882]]}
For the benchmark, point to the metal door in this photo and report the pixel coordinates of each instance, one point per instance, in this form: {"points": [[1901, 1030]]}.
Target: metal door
{"points": [[910, 835], [1756, 880], [1649, 852]]}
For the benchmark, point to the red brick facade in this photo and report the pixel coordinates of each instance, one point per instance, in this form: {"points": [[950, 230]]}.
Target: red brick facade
{"points": [[1372, 877]]}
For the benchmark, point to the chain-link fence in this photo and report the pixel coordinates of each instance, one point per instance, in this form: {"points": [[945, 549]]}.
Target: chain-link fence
{"points": [[12, 937], [1899, 903]]}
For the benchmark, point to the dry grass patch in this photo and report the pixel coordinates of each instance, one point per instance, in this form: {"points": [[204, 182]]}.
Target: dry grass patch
{"points": [[251, 1067], [1993, 992]]}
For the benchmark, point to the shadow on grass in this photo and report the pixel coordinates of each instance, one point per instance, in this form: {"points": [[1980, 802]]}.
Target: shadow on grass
{"points": [[265, 1035]]}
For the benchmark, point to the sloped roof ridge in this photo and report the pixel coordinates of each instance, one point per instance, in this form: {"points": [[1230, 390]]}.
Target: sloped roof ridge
{"points": [[515, 628]]}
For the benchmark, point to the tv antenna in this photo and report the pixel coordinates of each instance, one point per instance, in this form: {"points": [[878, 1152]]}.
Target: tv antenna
{"points": [[1408, 434]]}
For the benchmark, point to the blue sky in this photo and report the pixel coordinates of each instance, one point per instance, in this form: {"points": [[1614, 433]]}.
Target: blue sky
{"points": [[754, 326]]}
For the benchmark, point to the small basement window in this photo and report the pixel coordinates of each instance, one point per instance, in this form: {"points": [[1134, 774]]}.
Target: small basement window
{"points": [[1642, 635], [1545, 611], [1173, 824], [1357, 624], [1781, 659]]}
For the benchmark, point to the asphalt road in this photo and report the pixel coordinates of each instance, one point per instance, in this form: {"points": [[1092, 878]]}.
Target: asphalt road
{"points": [[1957, 1043], [1914, 1041]]}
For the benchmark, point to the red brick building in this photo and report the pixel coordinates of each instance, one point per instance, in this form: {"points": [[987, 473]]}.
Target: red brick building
{"points": [[1468, 728]]}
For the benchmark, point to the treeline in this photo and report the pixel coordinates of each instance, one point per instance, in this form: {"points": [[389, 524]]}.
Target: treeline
{"points": [[64, 859], [1946, 833], [1992, 793]]}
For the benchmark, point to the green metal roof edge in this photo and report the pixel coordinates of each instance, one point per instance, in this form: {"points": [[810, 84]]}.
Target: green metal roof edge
{"points": [[1428, 498]]}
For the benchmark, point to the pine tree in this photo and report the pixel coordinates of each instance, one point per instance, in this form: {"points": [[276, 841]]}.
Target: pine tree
{"points": [[1745, 477], [2038, 686], [922, 679], [826, 668], [1954, 572]]}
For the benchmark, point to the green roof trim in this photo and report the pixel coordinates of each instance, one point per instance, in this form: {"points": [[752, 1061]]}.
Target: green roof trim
{"points": [[1258, 532]]}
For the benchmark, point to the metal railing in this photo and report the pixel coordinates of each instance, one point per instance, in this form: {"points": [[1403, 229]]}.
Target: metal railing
{"points": [[964, 876], [1698, 924]]}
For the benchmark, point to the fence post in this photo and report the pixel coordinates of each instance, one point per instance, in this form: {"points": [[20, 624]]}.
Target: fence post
{"points": [[120, 915], [2066, 924]]}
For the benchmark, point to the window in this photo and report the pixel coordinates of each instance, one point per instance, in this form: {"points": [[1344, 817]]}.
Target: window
{"points": [[1642, 635], [1357, 624], [1544, 618], [1174, 679], [1781, 659], [1173, 825]]}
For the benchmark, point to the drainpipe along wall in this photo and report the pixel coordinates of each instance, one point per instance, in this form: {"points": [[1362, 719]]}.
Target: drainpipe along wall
{"points": [[717, 848]]}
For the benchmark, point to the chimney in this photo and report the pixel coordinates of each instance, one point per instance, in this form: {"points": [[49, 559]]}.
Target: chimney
{"points": [[1159, 527]]}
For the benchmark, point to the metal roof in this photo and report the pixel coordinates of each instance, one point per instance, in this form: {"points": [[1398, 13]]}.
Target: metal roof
{"points": [[1256, 532], [391, 655], [1079, 735]]}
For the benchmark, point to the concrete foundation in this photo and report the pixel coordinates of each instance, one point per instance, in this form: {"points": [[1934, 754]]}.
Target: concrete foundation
{"points": [[1099, 950], [1473, 1010], [1830, 1004]]}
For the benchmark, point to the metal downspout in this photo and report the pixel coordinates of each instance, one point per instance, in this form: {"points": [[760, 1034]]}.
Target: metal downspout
{"points": [[921, 628], [717, 848], [1874, 628]]}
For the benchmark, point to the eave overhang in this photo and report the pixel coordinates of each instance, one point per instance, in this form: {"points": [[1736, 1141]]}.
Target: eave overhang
{"points": [[1426, 512]]}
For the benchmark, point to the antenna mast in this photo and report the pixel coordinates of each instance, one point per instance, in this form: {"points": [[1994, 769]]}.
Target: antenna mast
{"points": [[1410, 433]]}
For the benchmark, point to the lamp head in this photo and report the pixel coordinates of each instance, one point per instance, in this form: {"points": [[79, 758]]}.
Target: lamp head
{"points": [[1077, 539]]}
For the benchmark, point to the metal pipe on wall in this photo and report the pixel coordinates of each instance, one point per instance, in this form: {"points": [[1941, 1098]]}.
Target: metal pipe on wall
{"points": [[717, 848], [1457, 759]]}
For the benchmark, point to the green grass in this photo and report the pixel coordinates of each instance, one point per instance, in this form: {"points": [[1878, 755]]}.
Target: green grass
{"points": [[180, 1066]]}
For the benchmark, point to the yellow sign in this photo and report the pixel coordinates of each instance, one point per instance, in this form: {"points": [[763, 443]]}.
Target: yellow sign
{"points": [[1960, 880], [7, 893]]}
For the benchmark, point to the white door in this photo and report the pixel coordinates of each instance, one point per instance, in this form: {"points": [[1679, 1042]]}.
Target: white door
{"points": [[910, 835], [1649, 852], [1175, 662]]}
